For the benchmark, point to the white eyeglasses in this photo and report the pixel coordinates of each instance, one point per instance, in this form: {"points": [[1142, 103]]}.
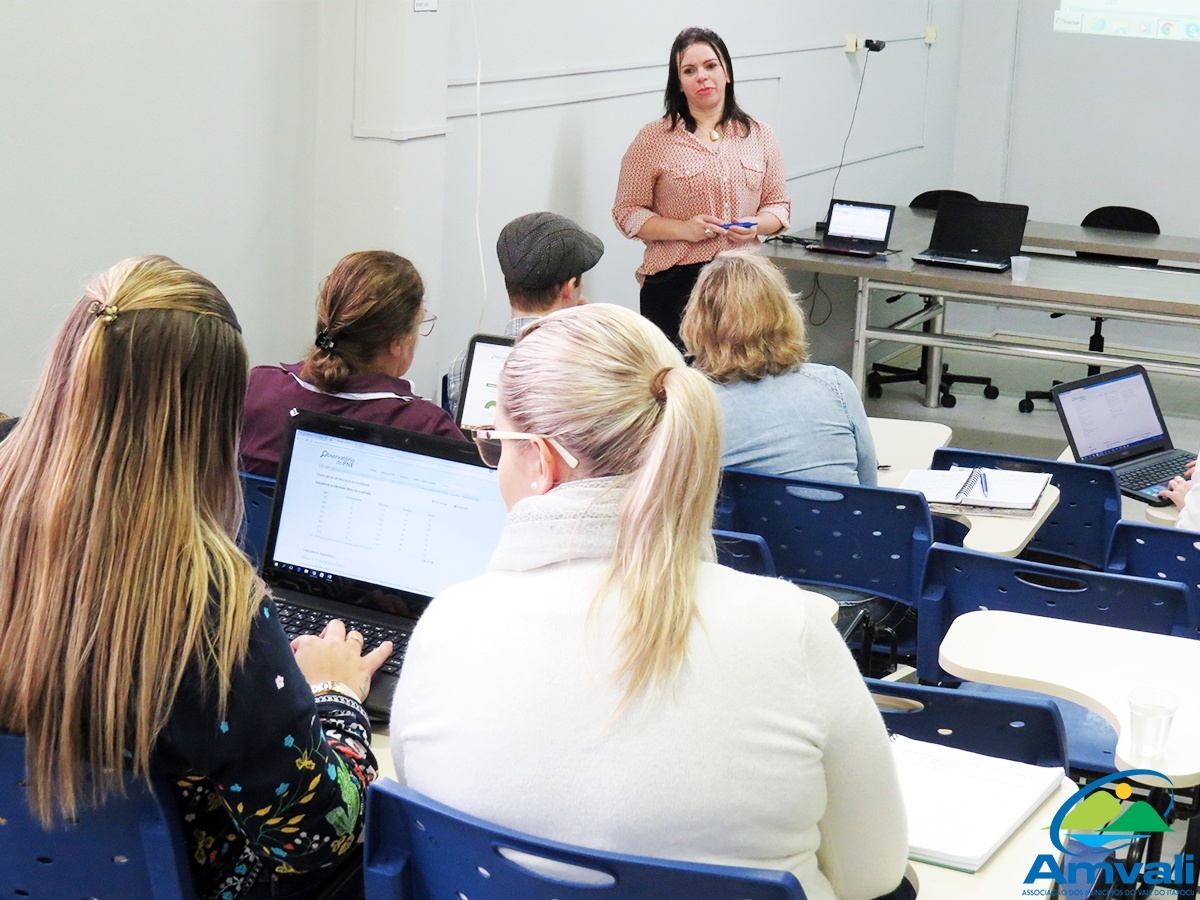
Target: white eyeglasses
{"points": [[488, 441]]}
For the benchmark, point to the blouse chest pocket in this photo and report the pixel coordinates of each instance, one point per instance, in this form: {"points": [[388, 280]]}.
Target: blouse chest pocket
{"points": [[686, 174], [753, 173]]}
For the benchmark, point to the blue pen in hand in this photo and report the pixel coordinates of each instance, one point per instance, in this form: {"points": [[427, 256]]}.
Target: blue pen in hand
{"points": [[739, 224]]}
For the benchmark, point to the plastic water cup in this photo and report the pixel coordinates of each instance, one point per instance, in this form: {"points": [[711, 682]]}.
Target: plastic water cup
{"points": [[1020, 268], [1150, 712]]}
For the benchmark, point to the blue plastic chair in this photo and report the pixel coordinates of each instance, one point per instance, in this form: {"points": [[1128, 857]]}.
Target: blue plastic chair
{"points": [[419, 849], [1078, 530], [1029, 730], [745, 552], [258, 493], [959, 581], [130, 847], [1167, 554], [868, 540]]}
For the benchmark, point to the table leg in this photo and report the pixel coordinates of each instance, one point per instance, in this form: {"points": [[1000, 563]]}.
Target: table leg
{"points": [[933, 373], [858, 357]]}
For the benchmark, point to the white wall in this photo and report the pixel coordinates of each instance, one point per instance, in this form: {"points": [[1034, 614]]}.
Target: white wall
{"points": [[1068, 122], [140, 127], [229, 135]]}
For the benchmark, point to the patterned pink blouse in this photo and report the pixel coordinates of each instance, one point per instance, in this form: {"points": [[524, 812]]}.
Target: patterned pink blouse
{"points": [[672, 173]]}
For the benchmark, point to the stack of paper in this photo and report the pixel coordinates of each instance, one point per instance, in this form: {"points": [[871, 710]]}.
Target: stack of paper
{"points": [[963, 806], [978, 491]]}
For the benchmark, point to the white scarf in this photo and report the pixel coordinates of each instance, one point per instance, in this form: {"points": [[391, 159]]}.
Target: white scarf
{"points": [[575, 520]]}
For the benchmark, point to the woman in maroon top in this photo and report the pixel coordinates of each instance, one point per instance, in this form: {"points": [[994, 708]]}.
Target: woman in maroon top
{"points": [[704, 178], [370, 313]]}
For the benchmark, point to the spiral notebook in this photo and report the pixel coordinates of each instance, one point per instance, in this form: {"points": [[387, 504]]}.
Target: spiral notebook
{"points": [[978, 491]]}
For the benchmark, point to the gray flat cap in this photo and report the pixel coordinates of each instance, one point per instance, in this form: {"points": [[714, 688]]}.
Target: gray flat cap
{"points": [[542, 249]]}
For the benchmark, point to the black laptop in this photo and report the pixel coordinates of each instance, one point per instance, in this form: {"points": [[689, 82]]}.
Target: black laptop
{"points": [[1113, 419], [485, 358], [369, 523], [975, 234], [855, 228]]}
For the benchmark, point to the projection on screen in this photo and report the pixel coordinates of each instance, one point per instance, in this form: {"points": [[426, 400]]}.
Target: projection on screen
{"points": [[1168, 20]]}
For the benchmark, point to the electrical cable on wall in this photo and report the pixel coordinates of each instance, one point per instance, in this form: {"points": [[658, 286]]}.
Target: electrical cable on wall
{"points": [[479, 164], [861, 80]]}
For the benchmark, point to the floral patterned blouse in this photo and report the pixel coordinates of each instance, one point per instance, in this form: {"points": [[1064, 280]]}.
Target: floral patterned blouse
{"points": [[276, 787]]}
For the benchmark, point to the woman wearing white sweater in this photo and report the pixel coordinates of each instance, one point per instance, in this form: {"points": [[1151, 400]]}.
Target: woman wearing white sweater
{"points": [[605, 683]]}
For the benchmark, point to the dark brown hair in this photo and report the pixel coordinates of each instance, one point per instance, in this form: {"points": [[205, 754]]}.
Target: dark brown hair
{"points": [[369, 299], [673, 100]]}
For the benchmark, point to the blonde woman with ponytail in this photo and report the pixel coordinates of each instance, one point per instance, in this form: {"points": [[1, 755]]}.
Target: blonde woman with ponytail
{"points": [[605, 683], [136, 635]]}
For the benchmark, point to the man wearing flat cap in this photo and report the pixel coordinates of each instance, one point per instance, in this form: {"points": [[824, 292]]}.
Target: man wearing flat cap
{"points": [[543, 257]]}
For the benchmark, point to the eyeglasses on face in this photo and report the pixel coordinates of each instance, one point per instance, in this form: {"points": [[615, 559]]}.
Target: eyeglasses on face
{"points": [[426, 326], [488, 441]]}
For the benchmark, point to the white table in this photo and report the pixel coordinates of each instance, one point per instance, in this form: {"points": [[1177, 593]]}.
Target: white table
{"points": [[1093, 665], [906, 444]]}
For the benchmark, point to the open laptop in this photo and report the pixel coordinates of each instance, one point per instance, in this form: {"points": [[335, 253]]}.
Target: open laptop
{"points": [[1113, 419], [369, 523], [485, 357], [975, 234], [855, 228]]}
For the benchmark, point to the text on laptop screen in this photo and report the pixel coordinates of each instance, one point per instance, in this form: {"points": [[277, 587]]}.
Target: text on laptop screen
{"points": [[482, 384], [384, 516], [856, 221], [1110, 416]]}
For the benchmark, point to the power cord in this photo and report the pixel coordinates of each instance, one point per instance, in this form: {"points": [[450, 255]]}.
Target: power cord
{"points": [[853, 115]]}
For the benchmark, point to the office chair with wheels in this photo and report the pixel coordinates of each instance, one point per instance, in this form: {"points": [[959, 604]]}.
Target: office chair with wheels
{"points": [[417, 848], [882, 373], [1116, 218], [129, 847]]}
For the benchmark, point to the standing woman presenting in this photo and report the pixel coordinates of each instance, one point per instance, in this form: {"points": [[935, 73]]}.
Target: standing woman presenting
{"points": [[704, 178]]}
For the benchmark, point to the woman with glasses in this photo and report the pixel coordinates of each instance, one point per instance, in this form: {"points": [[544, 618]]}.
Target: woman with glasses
{"points": [[370, 313], [605, 683], [782, 414]]}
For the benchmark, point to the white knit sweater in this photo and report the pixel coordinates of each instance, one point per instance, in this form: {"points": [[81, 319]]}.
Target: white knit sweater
{"points": [[767, 751]]}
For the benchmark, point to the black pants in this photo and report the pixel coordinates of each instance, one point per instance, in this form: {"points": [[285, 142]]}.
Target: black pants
{"points": [[665, 295]]}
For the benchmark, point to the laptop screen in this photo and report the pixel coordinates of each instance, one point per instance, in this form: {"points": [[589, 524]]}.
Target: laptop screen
{"points": [[1112, 416], [485, 358], [364, 510], [977, 228], [859, 221]]}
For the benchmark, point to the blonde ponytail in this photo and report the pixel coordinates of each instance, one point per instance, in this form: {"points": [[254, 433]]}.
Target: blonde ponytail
{"points": [[611, 387]]}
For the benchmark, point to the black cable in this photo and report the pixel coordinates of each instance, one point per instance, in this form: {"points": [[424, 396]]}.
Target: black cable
{"points": [[817, 289], [861, 80]]}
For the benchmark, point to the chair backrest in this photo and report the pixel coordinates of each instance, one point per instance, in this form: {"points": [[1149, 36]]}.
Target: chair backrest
{"points": [[1080, 528], [745, 552], [1029, 731], [932, 199], [1120, 218], [258, 493], [1166, 554], [130, 847], [419, 849], [850, 536], [445, 399], [958, 581]]}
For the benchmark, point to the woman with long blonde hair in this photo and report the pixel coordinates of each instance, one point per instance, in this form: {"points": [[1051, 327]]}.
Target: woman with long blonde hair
{"points": [[605, 683], [136, 634]]}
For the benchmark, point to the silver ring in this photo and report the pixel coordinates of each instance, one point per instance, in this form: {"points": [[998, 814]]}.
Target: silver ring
{"points": [[354, 635], [708, 232]]}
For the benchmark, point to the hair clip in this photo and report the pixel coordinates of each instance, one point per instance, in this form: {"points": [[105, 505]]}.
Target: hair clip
{"points": [[100, 311], [324, 341]]}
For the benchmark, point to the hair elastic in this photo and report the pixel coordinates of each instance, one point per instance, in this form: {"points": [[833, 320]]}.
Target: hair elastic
{"points": [[324, 341], [106, 313], [658, 386]]}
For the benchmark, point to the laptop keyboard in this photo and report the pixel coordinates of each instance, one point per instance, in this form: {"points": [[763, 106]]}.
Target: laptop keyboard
{"points": [[298, 620], [1158, 472]]}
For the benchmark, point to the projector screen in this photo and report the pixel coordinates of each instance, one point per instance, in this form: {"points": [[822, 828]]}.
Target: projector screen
{"points": [[1167, 20]]}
